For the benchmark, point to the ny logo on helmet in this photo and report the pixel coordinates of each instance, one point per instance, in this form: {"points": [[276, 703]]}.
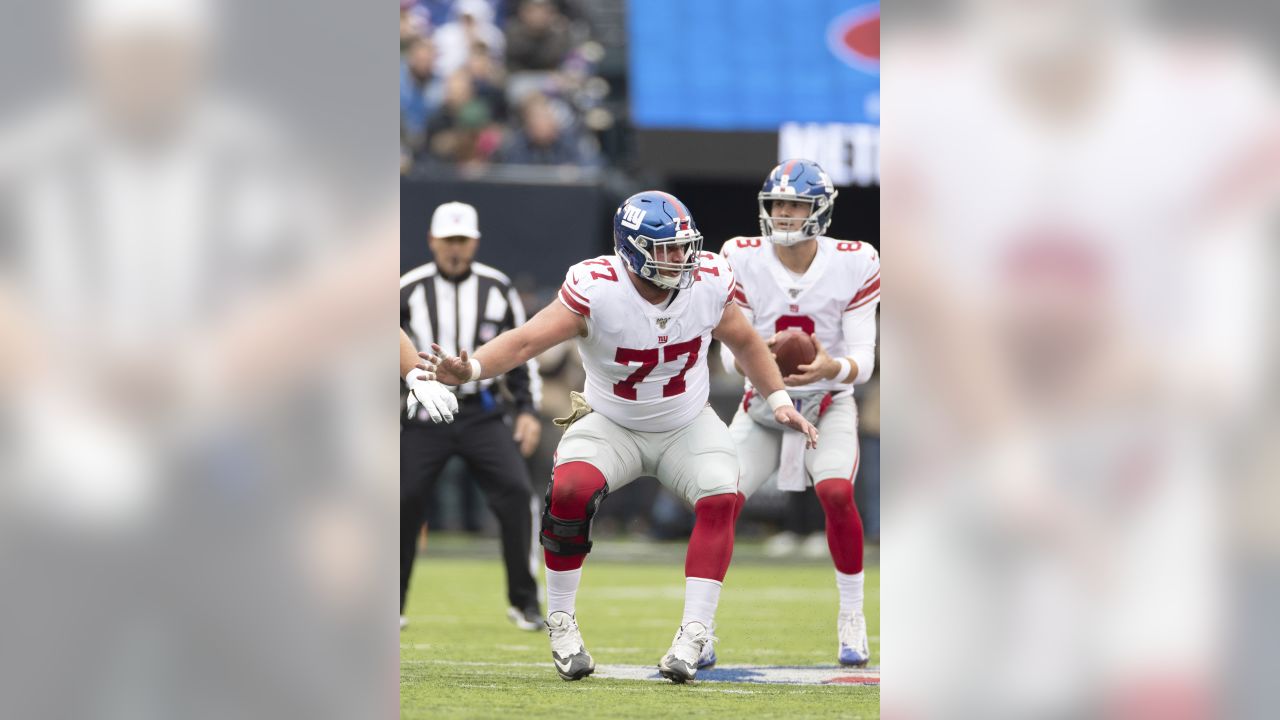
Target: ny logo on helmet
{"points": [[632, 216]]}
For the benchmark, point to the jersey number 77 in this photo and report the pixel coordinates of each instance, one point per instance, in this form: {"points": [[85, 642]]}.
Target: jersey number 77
{"points": [[648, 359]]}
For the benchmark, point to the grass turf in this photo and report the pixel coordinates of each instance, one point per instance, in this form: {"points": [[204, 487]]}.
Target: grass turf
{"points": [[461, 658]]}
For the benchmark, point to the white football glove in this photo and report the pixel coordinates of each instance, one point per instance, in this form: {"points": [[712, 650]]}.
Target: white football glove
{"points": [[431, 395]]}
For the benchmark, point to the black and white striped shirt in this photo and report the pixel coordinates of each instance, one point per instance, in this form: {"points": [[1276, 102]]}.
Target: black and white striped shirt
{"points": [[463, 314]]}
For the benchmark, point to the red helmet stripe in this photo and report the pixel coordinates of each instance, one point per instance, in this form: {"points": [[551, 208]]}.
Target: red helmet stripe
{"points": [[680, 214]]}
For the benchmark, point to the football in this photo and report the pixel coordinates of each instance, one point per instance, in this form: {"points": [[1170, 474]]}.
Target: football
{"points": [[793, 349]]}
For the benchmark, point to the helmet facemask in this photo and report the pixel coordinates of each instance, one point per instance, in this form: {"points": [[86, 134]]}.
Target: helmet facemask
{"points": [[669, 273], [798, 229]]}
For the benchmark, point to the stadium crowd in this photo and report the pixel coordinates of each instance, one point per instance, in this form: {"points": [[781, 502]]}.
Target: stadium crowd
{"points": [[500, 82]]}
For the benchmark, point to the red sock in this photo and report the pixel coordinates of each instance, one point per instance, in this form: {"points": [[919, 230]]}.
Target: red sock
{"points": [[711, 545], [844, 525], [573, 484]]}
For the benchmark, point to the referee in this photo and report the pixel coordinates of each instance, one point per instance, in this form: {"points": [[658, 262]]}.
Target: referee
{"points": [[461, 304]]}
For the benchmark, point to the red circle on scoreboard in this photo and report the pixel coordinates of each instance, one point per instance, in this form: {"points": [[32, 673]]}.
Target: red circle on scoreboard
{"points": [[854, 37]]}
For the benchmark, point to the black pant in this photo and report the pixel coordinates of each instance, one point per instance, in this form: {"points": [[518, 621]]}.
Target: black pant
{"points": [[484, 441]]}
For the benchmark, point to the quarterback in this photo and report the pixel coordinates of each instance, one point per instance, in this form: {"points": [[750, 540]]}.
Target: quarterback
{"points": [[794, 277], [643, 318]]}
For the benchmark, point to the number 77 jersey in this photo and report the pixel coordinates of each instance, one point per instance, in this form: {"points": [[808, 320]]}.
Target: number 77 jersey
{"points": [[646, 364]]}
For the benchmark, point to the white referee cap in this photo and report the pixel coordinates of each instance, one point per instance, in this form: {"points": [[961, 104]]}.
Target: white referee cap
{"points": [[455, 218]]}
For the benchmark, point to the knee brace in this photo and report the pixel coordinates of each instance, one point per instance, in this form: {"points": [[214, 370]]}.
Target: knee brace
{"points": [[556, 530]]}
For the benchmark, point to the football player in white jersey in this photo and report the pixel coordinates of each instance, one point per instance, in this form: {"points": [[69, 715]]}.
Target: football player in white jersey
{"points": [[795, 277], [644, 319]]}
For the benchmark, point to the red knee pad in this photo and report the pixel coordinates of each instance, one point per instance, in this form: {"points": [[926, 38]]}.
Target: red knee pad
{"points": [[711, 545], [576, 489], [844, 525]]}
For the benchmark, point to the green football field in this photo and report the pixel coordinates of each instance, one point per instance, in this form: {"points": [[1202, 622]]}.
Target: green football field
{"points": [[461, 658]]}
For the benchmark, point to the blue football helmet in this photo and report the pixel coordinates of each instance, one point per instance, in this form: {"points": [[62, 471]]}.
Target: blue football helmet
{"points": [[655, 236], [804, 181]]}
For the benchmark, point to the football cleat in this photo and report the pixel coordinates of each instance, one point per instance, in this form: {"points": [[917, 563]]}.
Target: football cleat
{"points": [[815, 547], [852, 630], [781, 545], [707, 659], [529, 618], [680, 664], [404, 622], [572, 660]]}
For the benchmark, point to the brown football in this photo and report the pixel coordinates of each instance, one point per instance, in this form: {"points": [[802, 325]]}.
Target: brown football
{"points": [[793, 349]]}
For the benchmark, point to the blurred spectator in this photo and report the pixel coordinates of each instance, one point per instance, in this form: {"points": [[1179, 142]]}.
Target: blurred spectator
{"points": [[487, 81], [437, 12], [572, 10], [461, 129], [413, 23], [544, 140], [421, 90], [538, 38], [474, 24]]}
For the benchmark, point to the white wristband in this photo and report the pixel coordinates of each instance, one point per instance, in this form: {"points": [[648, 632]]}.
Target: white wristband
{"points": [[411, 377], [778, 399], [846, 367], [475, 369]]}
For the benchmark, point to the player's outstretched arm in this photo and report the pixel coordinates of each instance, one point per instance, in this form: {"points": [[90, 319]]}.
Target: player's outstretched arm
{"points": [[757, 362], [409, 357], [553, 325]]}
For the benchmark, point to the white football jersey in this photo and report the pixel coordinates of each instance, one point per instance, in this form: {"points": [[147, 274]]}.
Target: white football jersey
{"points": [[646, 364], [844, 277]]}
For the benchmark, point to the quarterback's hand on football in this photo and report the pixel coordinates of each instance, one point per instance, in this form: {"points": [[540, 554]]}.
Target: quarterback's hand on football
{"points": [[789, 416], [449, 369], [822, 368], [528, 431], [431, 396]]}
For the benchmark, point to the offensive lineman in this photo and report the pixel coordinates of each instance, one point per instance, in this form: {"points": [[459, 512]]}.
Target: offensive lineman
{"points": [[643, 318], [795, 277]]}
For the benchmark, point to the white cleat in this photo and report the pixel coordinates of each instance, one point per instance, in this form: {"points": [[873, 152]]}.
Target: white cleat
{"points": [[404, 622], [815, 547], [852, 631], [784, 544], [707, 659], [570, 655], [680, 664]]}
